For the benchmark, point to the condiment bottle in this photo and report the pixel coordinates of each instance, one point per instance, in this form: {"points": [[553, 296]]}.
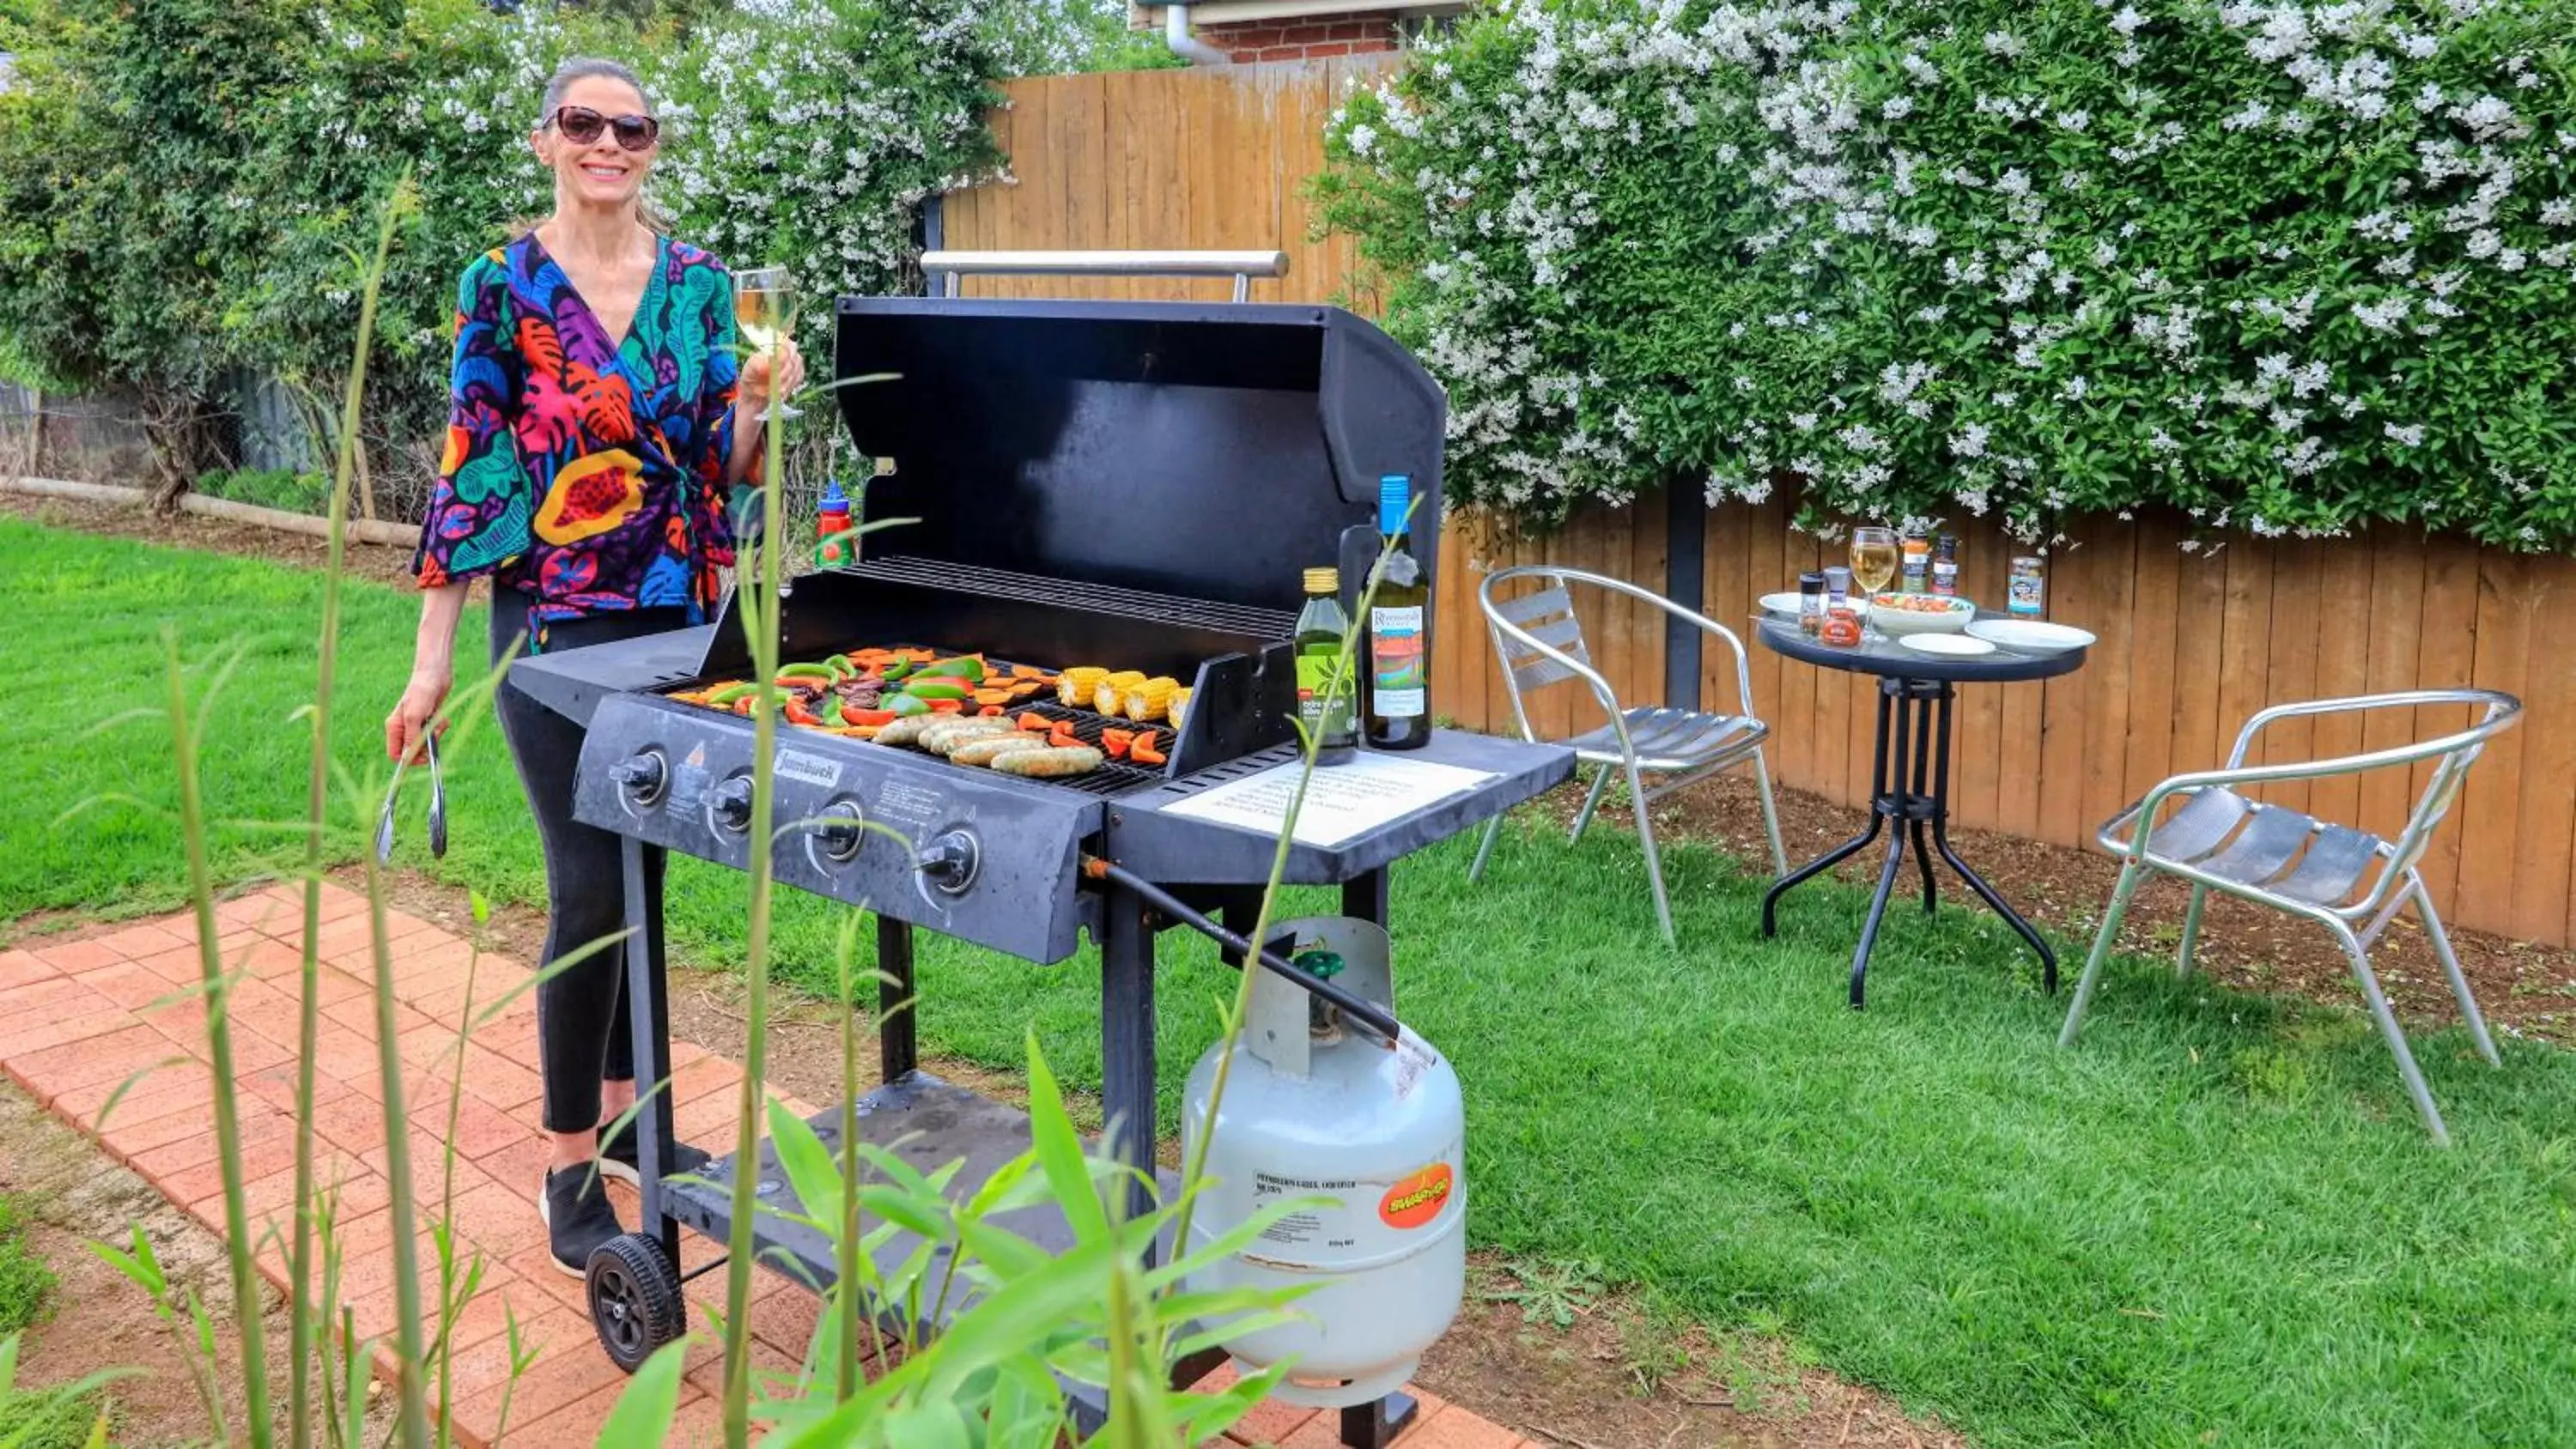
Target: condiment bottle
{"points": [[1323, 709], [1811, 603], [1915, 570], [1945, 566]]}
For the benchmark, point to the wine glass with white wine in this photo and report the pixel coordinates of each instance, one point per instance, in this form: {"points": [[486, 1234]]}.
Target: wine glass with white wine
{"points": [[1873, 566], [760, 312]]}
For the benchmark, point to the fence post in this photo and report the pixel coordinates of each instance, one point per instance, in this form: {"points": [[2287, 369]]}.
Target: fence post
{"points": [[35, 433]]}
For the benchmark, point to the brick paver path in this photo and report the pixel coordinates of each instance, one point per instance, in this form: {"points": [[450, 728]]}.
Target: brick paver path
{"points": [[77, 1018]]}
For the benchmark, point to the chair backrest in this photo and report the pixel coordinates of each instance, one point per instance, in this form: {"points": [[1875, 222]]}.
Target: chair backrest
{"points": [[2498, 712], [1525, 631]]}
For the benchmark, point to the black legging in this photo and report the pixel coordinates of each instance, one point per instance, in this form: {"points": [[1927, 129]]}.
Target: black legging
{"points": [[582, 1035]]}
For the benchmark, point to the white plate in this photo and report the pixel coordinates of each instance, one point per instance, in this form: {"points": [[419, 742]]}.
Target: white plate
{"points": [[1784, 604], [2029, 636], [1949, 644]]}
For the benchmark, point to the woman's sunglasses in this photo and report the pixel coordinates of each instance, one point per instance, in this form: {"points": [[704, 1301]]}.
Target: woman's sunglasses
{"points": [[581, 126]]}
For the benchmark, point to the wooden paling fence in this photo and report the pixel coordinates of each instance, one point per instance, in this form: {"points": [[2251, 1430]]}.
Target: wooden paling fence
{"points": [[2191, 643]]}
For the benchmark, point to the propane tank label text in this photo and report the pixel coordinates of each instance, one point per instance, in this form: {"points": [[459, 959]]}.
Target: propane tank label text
{"points": [[1365, 1220]]}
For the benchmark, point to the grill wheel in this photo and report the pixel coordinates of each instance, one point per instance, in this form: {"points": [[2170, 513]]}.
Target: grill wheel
{"points": [[635, 1301]]}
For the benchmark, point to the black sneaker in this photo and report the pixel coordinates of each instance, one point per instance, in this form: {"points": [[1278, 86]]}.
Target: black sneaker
{"points": [[619, 1156], [578, 1216]]}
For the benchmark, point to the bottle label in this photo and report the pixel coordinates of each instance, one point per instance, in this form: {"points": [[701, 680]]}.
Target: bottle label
{"points": [[1314, 676], [1395, 663]]}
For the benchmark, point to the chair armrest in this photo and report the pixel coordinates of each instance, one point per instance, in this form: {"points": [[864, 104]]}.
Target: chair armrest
{"points": [[1600, 687], [1743, 667], [2240, 774], [2501, 709]]}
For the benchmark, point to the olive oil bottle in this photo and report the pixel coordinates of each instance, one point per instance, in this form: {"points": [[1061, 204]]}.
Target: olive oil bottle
{"points": [[1324, 710], [1399, 643]]}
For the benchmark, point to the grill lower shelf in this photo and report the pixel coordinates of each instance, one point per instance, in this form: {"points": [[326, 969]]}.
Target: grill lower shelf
{"points": [[927, 1121]]}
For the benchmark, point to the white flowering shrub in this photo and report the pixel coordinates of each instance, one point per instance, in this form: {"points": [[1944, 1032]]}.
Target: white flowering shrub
{"points": [[2285, 267]]}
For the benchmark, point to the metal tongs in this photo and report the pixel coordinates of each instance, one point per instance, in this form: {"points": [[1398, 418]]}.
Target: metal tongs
{"points": [[437, 807]]}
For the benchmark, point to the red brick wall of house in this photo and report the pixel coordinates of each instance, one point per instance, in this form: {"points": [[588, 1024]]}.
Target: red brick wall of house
{"points": [[1310, 38]]}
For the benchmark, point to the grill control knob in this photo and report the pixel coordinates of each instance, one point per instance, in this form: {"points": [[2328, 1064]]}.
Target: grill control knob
{"points": [[949, 862], [641, 776], [731, 804], [841, 831]]}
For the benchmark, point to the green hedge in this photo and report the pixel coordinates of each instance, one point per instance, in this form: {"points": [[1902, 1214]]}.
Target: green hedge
{"points": [[2288, 268]]}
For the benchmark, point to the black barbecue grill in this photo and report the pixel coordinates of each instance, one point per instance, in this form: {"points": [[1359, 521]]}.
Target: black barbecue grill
{"points": [[1132, 485]]}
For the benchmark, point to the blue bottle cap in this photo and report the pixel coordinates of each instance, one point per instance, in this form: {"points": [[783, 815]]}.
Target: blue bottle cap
{"points": [[1394, 502], [834, 501]]}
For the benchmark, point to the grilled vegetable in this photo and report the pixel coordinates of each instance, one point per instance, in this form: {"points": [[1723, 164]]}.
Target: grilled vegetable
{"points": [[1035, 723], [1052, 763], [718, 699], [993, 747], [1143, 752], [968, 667], [899, 669], [819, 672], [1075, 686], [797, 713], [1180, 706], [852, 714], [1115, 742], [928, 687], [1112, 691], [1150, 700], [992, 696], [991, 711], [905, 704]]}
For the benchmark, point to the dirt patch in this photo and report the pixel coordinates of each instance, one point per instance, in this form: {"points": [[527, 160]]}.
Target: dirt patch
{"points": [[375, 562], [1542, 1350], [2523, 988], [74, 1194]]}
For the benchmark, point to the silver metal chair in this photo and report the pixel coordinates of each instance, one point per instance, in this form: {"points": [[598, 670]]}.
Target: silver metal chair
{"points": [[2352, 883], [1540, 643]]}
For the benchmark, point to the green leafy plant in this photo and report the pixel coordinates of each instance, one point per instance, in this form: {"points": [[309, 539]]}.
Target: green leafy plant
{"points": [[1549, 1290], [2284, 268]]}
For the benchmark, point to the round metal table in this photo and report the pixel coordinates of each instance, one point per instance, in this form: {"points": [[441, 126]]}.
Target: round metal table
{"points": [[1914, 697]]}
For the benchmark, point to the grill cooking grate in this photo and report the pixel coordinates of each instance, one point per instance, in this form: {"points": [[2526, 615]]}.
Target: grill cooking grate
{"points": [[1111, 779]]}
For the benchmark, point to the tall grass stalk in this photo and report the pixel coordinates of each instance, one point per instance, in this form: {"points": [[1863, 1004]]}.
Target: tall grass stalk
{"points": [[301, 1311], [1342, 681], [760, 615], [184, 743]]}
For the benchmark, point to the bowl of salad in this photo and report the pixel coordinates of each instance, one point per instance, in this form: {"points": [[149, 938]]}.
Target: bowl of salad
{"points": [[1897, 615]]}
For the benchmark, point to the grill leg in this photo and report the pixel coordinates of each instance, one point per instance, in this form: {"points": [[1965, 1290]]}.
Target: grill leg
{"points": [[1374, 1425], [1127, 1041], [897, 1051], [648, 1002], [1364, 897]]}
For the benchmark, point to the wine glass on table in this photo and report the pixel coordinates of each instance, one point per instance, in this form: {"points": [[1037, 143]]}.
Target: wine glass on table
{"points": [[760, 312], [1873, 566]]}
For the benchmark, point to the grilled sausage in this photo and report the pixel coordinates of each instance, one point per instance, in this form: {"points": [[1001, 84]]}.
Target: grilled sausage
{"points": [[1051, 763], [907, 730], [943, 738], [985, 751]]}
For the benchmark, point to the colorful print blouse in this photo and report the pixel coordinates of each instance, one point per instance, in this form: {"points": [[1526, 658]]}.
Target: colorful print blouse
{"points": [[588, 476]]}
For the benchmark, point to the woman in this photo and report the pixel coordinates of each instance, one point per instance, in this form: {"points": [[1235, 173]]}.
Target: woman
{"points": [[596, 437]]}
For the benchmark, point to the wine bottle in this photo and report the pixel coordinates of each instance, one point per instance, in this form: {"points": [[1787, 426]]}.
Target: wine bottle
{"points": [[1325, 711], [1399, 640]]}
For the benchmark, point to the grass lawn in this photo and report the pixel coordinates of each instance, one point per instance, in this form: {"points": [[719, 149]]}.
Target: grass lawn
{"points": [[2216, 1221]]}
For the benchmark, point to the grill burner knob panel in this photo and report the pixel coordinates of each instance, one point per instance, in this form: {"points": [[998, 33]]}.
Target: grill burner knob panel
{"points": [[642, 776], [730, 804], [949, 862], [843, 830]]}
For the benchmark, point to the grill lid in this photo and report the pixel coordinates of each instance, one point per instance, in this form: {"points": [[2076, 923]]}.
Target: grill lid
{"points": [[1214, 451]]}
